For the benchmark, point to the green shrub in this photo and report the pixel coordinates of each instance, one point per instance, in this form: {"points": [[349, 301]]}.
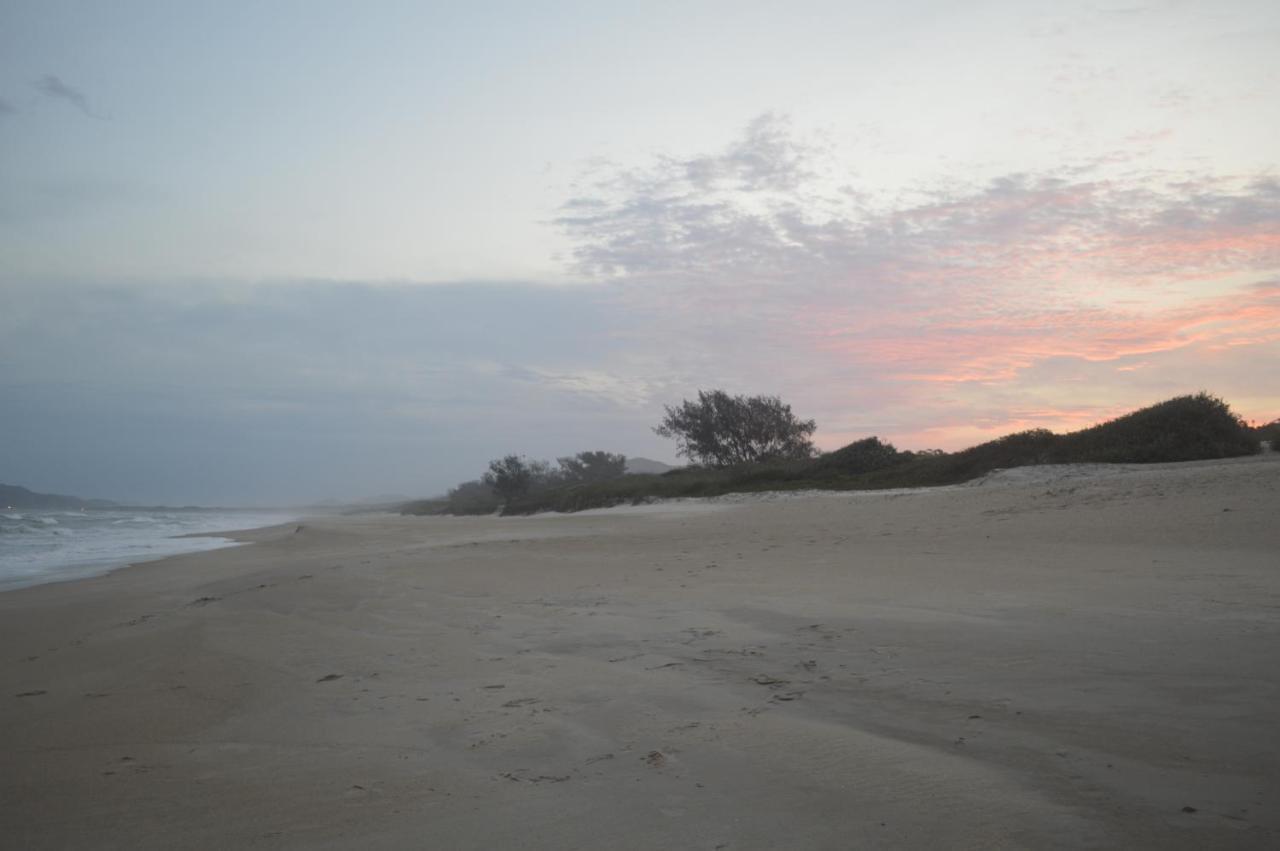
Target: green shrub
{"points": [[474, 497], [861, 456], [1269, 432], [1186, 428], [1020, 449], [1181, 429]]}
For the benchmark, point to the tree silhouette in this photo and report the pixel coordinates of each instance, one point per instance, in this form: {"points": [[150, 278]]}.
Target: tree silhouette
{"points": [[720, 430]]}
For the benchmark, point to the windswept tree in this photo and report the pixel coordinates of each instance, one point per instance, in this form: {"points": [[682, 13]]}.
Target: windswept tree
{"points": [[542, 476], [510, 477], [474, 497], [591, 467], [720, 430]]}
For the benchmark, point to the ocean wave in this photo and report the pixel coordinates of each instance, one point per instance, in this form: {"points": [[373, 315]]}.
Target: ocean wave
{"points": [[28, 527], [37, 547]]}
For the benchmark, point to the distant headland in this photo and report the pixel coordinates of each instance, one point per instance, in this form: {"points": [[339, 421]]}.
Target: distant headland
{"points": [[15, 496]]}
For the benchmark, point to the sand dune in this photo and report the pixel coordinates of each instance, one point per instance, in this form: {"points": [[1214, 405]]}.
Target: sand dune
{"points": [[1047, 658]]}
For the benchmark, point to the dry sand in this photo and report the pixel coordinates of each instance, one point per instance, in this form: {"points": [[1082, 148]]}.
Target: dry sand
{"points": [[1060, 657]]}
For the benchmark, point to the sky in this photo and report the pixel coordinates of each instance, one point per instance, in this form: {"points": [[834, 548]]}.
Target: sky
{"points": [[265, 253]]}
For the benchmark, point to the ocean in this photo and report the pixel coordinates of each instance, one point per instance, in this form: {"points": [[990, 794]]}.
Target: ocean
{"points": [[56, 546]]}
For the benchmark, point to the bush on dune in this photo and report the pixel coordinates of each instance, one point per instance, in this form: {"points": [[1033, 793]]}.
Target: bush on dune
{"points": [[1269, 432], [474, 497], [1019, 449], [1186, 428], [594, 466], [861, 456], [1182, 429], [620, 491]]}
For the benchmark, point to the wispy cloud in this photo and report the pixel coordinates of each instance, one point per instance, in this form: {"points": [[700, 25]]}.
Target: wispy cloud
{"points": [[53, 87], [674, 215], [946, 285], [6, 108], [666, 220], [608, 388]]}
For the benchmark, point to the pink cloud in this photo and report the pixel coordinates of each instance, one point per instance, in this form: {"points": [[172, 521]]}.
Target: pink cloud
{"points": [[979, 290], [971, 347]]}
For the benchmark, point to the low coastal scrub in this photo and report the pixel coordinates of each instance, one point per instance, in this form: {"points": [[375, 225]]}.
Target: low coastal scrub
{"points": [[1269, 432], [1182, 429], [513, 479]]}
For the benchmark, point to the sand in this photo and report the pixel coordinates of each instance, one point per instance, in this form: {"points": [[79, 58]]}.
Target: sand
{"points": [[1050, 658]]}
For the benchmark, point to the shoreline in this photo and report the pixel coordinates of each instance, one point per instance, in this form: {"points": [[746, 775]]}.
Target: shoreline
{"points": [[1057, 662], [76, 569], [1038, 474]]}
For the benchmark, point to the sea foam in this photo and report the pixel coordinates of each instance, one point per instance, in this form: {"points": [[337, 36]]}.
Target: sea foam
{"points": [[56, 546]]}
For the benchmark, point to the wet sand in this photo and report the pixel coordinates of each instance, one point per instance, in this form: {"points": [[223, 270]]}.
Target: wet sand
{"points": [[1052, 658]]}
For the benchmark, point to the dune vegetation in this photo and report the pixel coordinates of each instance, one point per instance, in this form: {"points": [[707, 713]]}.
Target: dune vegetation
{"points": [[1185, 428], [1269, 432]]}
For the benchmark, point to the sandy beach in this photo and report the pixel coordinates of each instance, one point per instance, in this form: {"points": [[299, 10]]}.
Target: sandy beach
{"points": [[1077, 657]]}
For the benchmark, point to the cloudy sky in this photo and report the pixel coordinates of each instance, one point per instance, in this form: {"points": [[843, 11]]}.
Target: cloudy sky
{"points": [[267, 252]]}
